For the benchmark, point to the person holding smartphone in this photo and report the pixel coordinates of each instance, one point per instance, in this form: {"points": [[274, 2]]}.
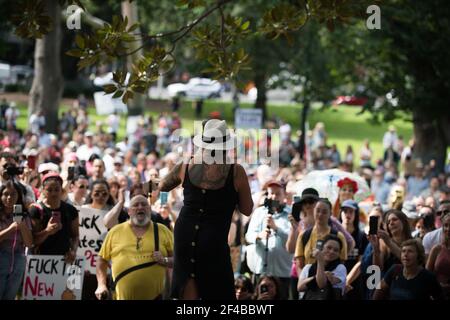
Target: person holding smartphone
{"points": [[268, 288], [55, 222], [15, 235], [350, 220], [324, 279], [306, 242]]}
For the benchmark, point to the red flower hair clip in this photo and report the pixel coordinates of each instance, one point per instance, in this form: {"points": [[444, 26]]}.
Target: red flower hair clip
{"points": [[348, 181]]}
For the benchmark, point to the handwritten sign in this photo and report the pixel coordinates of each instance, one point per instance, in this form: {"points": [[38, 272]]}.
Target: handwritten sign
{"points": [[51, 278], [92, 233]]}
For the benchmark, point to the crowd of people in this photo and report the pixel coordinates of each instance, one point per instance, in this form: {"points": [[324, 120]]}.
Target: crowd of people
{"points": [[281, 243]]}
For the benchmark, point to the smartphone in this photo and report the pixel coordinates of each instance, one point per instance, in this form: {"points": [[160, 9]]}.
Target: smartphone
{"points": [[31, 162], [319, 245], [373, 225], [297, 199], [56, 215], [296, 209], [17, 213], [71, 173], [147, 188], [163, 197], [264, 288]]}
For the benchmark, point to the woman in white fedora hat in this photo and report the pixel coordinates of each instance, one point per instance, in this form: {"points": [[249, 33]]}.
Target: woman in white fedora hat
{"points": [[213, 189]]}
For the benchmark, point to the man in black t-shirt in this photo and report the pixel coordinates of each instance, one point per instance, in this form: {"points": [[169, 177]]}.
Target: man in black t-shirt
{"points": [[55, 222]]}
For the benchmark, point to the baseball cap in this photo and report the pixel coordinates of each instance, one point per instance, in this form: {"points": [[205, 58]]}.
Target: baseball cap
{"points": [[48, 166], [352, 204], [52, 175]]}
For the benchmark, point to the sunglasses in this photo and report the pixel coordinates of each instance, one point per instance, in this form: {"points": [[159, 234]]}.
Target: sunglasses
{"points": [[103, 193], [442, 212], [82, 186]]}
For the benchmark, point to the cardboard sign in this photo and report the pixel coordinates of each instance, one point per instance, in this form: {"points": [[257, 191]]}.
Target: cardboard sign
{"points": [[50, 278], [92, 233], [248, 119]]}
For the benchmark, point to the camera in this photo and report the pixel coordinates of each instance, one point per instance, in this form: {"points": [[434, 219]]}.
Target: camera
{"points": [[11, 170], [271, 205]]}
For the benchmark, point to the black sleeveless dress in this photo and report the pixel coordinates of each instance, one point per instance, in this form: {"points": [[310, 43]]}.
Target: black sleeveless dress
{"points": [[201, 250]]}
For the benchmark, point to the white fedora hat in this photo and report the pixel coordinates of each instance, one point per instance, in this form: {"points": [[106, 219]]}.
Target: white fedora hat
{"points": [[216, 136]]}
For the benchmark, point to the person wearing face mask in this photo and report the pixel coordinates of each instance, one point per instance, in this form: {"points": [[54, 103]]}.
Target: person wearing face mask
{"points": [[324, 279], [55, 222], [139, 251]]}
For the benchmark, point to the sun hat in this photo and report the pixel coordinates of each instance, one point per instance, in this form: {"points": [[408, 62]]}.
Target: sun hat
{"points": [[216, 136]]}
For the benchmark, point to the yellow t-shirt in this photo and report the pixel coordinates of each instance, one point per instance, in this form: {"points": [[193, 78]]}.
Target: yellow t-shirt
{"points": [[307, 251], [120, 247]]}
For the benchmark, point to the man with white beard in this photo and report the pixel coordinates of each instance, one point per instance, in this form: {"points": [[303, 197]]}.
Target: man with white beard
{"points": [[140, 251]]}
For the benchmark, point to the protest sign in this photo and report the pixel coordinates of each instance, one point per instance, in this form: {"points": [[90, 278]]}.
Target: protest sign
{"points": [[51, 278], [92, 233], [248, 119]]}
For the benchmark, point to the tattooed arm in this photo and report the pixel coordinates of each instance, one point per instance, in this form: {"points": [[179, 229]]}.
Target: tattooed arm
{"points": [[172, 179]]}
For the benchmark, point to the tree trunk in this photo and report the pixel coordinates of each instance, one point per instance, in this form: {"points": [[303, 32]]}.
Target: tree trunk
{"points": [[130, 10], [432, 137], [47, 86], [261, 98]]}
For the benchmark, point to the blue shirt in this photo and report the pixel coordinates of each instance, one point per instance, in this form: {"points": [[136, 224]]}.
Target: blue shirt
{"points": [[279, 261]]}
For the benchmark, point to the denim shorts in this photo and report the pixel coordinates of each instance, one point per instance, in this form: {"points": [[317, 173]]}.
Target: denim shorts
{"points": [[10, 280]]}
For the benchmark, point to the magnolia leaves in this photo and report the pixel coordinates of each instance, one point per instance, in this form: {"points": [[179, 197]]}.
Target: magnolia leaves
{"points": [[218, 44], [217, 41], [283, 20], [31, 19], [108, 43]]}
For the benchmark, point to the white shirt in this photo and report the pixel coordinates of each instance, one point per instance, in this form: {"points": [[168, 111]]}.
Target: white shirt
{"points": [[114, 122], [84, 152], [11, 115], [431, 239], [340, 272], [36, 122], [390, 139]]}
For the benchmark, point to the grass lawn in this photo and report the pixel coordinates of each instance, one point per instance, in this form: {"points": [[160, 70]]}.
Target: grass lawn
{"points": [[343, 124]]}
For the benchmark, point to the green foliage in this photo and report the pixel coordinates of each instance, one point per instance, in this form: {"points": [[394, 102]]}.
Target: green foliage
{"points": [[284, 19], [30, 19], [218, 45]]}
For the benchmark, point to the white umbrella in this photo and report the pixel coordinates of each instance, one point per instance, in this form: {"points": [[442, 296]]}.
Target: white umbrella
{"points": [[325, 182]]}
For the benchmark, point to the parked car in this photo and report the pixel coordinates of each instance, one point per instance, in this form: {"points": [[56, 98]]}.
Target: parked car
{"points": [[196, 88], [350, 100]]}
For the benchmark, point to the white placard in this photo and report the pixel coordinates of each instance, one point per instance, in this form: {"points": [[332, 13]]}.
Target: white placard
{"points": [[248, 119], [92, 233], [50, 278]]}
